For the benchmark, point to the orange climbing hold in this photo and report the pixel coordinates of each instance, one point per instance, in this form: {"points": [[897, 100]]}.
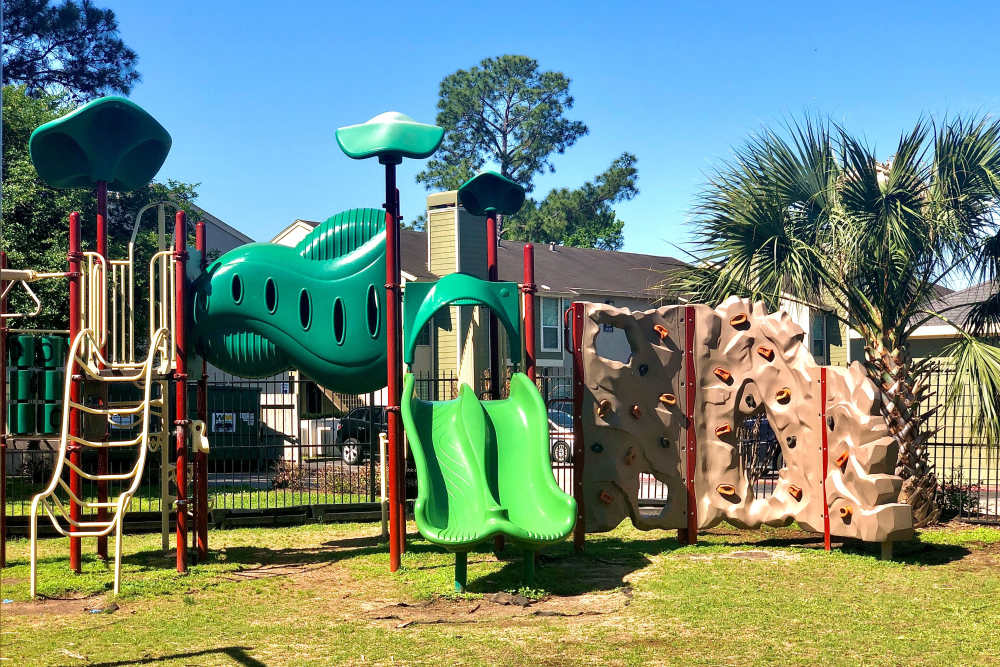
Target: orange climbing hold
{"points": [[636, 410], [668, 399], [738, 320], [795, 492], [723, 430], [842, 460], [766, 352], [661, 330], [606, 497], [723, 374], [784, 395], [604, 407], [726, 490], [846, 512]]}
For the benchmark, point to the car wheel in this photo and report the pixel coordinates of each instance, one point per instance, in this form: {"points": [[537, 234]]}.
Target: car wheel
{"points": [[351, 452], [561, 452]]}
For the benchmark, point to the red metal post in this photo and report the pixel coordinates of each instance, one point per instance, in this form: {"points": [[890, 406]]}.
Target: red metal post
{"points": [[493, 275], [102, 453], [393, 361], [201, 458], [573, 321], [691, 533], [529, 288], [76, 385], [825, 454], [3, 419], [180, 384], [401, 467]]}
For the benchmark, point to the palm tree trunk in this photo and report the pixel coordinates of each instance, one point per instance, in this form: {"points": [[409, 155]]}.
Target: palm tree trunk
{"points": [[891, 368]]}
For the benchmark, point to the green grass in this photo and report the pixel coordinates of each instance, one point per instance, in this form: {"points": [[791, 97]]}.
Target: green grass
{"points": [[312, 594]]}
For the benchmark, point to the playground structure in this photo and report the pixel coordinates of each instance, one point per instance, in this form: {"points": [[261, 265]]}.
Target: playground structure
{"points": [[672, 411], [483, 466], [112, 143]]}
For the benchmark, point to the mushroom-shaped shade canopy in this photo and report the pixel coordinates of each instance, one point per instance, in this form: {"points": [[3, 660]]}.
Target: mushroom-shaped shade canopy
{"points": [[422, 299], [489, 192], [391, 136], [110, 139]]}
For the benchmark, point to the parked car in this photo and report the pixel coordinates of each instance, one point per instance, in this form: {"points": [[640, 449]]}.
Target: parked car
{"points": [[353, 439], [560, 435]]}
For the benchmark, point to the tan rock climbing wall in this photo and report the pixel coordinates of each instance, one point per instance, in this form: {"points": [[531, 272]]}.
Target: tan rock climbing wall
{"points": [[744, 358]]}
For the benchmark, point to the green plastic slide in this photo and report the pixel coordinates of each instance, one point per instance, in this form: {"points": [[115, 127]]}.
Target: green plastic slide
{"points": [[483, 469]]}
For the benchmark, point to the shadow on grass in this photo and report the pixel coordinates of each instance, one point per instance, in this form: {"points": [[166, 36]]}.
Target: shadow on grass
{"points": [[237, 654]]}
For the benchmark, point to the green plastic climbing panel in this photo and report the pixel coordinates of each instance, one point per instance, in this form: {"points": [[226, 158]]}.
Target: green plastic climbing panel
{"points": [[110, 139], [483, 468], [489, 192], [261, 309], [422, 299], [391, 136]]}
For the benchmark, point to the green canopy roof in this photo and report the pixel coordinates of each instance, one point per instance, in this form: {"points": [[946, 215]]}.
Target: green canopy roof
{"points": [[110, 139], [391, 136], [489, 192]]}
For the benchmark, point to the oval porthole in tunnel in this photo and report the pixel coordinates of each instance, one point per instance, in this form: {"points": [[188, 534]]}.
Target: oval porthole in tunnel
{"points": [[271, 295], [339, 321], [237, 287], [305, 309], [373, 311]]}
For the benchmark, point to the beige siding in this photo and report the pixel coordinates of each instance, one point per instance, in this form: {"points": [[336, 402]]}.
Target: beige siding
{"points": [[445, 328], [836, 339], [441, 233]]}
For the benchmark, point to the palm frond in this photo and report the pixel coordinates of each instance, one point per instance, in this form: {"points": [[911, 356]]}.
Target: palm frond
{"points": [[977, 370]]}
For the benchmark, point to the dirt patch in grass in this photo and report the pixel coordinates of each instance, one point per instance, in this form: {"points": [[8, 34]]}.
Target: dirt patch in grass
{"points": [[499, 606], [59, 606]]}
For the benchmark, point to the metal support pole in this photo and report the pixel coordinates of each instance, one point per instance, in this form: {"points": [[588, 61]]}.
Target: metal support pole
{"points": [[400, 436], [180, 386], [76, 383], [3, 418], [824, 452], [102, 453], [573, 321], [201, 458], [393, 361], [493, 274], [690, 534], [529, 288]]}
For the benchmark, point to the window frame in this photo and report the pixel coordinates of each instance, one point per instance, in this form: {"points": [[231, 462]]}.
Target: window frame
{"points": [[558, 326], [817, 323]]}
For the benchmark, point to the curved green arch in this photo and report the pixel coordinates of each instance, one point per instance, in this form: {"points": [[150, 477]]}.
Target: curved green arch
{"points": [[422, 299]]}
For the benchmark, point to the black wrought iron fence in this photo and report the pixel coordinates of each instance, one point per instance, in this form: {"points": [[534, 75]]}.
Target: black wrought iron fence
{"points": [[280, 442]]}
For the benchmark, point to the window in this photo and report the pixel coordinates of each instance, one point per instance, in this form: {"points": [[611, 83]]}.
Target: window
{"points": [[817, 330], [551, 324]]}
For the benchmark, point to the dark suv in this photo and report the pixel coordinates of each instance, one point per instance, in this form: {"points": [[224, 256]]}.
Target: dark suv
{"points": [[354, 438]]}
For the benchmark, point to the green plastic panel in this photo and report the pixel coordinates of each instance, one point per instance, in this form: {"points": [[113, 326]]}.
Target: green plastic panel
{"points": [[261, 309], [489, 192], [21, 418], [52, 385], [483, 468], [110, 139], [53, 351], [21, 351], [51, 418], [22, 385], [390, 136], [422, 299]]}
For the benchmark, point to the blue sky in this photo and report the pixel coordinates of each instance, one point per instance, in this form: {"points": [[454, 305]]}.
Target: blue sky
{"points": [[252, 97]]}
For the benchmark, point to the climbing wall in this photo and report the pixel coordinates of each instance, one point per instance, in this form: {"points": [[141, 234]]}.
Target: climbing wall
{"points": [[647, 417]]}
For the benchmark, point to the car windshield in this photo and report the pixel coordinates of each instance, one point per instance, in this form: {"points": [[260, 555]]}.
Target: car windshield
{"points": [[561, 419], [359, 413]]}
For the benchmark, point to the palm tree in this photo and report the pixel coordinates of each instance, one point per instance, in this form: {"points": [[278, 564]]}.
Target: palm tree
{"points": [[813, 214]]}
